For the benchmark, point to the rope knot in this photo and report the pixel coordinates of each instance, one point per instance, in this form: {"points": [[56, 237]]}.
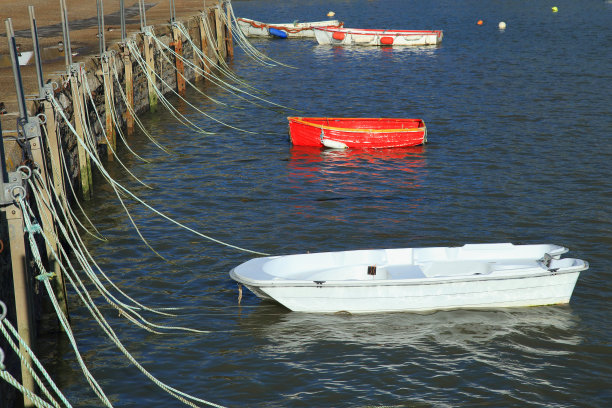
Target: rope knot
{"points": [[34, 228], [45, 275]]}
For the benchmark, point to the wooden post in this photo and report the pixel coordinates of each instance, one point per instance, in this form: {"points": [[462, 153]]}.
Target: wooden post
{"points": [[229, 39], [219, 30], [196, 59], [109, 102], [149, 58], [48, 226], [77, 117], [54, 148], [21, 287], [180, 66], [129, 90], [204, 43]]}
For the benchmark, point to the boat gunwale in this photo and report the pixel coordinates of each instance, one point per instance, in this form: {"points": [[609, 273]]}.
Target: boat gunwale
{"points": [[295, 119], [283, 282], [305, 24], [374, 31]]}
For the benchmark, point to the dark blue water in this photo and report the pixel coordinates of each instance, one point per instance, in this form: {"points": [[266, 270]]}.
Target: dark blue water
{"points": [[519, 123]]}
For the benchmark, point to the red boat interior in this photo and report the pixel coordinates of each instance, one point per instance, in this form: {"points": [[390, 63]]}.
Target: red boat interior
{"points": [[367, 123]]}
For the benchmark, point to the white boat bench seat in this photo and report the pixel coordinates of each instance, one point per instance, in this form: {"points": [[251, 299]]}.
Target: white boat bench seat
{"points": [[455, 268], [404, 272]]}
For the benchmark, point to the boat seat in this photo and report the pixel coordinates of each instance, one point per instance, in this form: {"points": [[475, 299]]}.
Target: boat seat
{"points": [[455, 268], [404, 272]]}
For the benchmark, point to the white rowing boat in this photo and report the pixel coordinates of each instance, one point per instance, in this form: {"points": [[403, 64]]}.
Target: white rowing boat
{"points": [[363, 36], [252, 28], [414, 279]]}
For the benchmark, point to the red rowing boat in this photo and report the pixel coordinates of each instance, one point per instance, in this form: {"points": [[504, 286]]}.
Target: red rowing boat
{"points": [[357, 132]]}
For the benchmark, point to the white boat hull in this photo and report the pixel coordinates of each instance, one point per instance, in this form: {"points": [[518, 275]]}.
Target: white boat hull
{"points": [[535, 291], [414, 280], [252, 28], [349, 36]]}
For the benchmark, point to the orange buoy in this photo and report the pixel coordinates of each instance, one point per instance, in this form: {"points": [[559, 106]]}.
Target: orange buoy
{"points": [[386, 40], [480, 22], [337, 35]]}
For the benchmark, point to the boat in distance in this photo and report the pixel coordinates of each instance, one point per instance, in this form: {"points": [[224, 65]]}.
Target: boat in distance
{"points": [[364, 36], [415, 279], [252, 28], [341, 133]]}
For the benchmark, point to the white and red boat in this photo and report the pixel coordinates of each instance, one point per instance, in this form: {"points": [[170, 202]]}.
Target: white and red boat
{"points": [[342, 133], [252, 28], [361, 36]]}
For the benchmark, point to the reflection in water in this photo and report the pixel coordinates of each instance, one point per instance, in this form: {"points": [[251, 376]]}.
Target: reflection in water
{"points": [[437, 356], [340, 166], [376, 179], [538, 330], [326, 51]]}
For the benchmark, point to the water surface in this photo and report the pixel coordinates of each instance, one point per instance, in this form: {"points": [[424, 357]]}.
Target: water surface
{"points": [[519, 127]]}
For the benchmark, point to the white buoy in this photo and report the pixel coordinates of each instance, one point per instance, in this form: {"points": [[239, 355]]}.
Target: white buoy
{"points": [[331, 14], [502, 25], [333, 144]]}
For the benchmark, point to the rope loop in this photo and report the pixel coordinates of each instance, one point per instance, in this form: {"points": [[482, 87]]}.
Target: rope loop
{"points": [[18, 193], [26, 172]]}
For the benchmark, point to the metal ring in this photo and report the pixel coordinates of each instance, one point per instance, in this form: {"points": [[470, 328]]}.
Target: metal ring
{"points": [[3, 308], [42, 116], [25, 174], [21, 193]]}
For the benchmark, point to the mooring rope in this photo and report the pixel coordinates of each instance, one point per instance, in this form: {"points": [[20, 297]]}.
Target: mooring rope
{"points": [[160, 95], [114, 116], [92, 150], [64, 200], [6, 324], [171, 89], [95, 152], [31, 229], [72, 238], [117, 127], [129, 193], [134, 115], [220, 64], [245, 44], [218, 81], [36, 400]]}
